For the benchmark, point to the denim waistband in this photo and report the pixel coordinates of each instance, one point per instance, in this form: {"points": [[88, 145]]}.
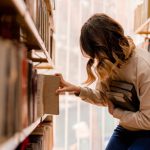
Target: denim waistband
{"points": [[138, 133]]}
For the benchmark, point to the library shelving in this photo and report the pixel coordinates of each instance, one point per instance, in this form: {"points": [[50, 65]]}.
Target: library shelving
{"points": [[144, 28], [142, 18], [12, 142], [25, 27], [25, 19]]}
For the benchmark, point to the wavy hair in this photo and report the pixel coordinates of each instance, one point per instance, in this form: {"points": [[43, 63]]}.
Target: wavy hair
{"points": [[103, 40]]}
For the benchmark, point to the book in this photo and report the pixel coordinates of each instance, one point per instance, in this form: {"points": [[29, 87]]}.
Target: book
{"points": [[34, 93], [30, 91], [123, 95], [48, 101], [39, 95], [24, 102], [120, 100], [18, 89], [3, 86], [11, 87], [9, 28], [40, 139], [51, 100]]}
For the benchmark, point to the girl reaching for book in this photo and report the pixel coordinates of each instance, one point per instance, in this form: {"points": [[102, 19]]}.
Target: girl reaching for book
{"points": [[102, 40]]}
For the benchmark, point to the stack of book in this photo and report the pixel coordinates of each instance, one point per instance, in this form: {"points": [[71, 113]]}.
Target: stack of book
{"points": [[24, 94], [17, 88], [42, 18], [40, 138], [123, 95]]}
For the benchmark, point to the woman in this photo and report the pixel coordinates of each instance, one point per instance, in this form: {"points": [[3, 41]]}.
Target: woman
{"points": [[116, 57]]}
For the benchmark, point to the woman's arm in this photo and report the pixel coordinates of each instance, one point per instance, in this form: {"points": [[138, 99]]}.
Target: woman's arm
{"points": [[66, 86], [93, 96]]}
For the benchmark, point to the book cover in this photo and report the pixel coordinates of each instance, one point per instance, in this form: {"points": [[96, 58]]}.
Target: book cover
{"points": [[120, 100], [51, 100], [3, 85], [30, 93], [39, 95], [34, 93], [123, 94], [12, 74]]}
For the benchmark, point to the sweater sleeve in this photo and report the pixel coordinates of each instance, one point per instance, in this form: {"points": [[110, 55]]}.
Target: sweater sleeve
{"points": [[139, 120], [93, 96]]}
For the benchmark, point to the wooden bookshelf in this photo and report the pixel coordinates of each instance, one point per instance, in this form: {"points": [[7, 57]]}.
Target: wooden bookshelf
{"points": [[144, 28], [142, 18], [12, 142], [26, 21], [32, 39]]}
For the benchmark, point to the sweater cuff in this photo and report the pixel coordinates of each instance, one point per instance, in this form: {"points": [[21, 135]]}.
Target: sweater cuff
{"points": [[83, 93], [118, 113]]}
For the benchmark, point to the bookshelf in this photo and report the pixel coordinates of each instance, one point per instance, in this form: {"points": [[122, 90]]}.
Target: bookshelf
{"points": [[19, 6], [12, 142], [34, 32], [142, 18], [144, 28]]}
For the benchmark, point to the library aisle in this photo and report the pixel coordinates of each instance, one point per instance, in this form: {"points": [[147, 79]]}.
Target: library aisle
{"points": [[39, 38]]}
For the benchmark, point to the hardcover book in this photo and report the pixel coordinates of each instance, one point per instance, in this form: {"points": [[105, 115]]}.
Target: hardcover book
{"points": [[123, 95], [48, 101], [51, 100]]}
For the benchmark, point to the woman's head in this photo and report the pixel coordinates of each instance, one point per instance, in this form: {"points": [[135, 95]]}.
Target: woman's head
{"points": [[103, 39]]}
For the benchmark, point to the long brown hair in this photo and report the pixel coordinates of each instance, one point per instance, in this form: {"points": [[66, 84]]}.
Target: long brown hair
{"points": [[103, 39]]}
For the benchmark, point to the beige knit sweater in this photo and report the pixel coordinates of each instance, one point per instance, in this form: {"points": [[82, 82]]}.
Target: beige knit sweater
{"points": [[136, 71]]}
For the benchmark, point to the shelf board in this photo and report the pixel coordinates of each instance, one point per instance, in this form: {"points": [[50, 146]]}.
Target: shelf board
{"points": [[47, 67], [144, 28], [12, 142], [38, 59]]}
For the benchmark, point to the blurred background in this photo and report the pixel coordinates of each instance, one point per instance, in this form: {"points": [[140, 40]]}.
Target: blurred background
{"points": [[82, 126]]}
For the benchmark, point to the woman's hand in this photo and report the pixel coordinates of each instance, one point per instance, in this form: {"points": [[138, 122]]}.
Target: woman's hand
{"points": [[111, 107], [66, 86]]}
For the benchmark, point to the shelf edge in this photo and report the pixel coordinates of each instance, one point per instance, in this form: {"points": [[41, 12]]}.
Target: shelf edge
{"points": [[12, 142]]}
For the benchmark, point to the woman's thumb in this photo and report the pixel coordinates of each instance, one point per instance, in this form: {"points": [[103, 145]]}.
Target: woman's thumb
{"points": [[60, 90]]}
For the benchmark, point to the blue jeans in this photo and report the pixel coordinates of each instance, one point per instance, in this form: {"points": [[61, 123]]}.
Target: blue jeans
{"points": [[123, 139]]}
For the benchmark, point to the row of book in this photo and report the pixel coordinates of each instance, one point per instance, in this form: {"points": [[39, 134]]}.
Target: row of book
{"points": [[24, 94], [142, 13], [17, 88], [40, 139], [42, 18], [123, 95]]}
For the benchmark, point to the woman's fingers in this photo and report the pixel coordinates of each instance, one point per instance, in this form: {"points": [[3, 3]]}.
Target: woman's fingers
{"points": [[62, 81], [58, 74], [65, 86]]}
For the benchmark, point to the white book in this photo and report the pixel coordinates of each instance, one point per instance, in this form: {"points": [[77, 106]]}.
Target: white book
{"points": [[39, 95], [51, 100], [48, 101]]}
